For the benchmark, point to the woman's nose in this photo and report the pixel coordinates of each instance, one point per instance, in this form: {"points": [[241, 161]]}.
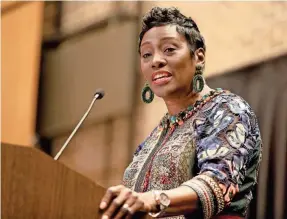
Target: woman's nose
{"points": [[158, 61]]}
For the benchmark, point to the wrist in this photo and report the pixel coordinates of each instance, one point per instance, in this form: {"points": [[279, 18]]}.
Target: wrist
{"points": [[162, 202], [150, 204]]}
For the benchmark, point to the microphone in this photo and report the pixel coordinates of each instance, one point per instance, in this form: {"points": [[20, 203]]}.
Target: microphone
{"points": [[97, 96]]}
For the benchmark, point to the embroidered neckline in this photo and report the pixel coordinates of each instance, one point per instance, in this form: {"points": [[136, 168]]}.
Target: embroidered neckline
{"points": [[178, 119]]}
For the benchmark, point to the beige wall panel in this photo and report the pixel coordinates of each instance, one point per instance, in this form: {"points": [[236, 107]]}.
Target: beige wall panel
{"points": [[21, 42], [100, 152], [74, 71], [119, 150], [87, 152], [50, 13], [129, 7], [78, 14]]}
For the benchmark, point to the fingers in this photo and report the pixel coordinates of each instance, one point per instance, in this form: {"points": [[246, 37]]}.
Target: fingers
{"points": [[113, 206], [134, 208], [111, 192], [126, 208], [121, 202]]}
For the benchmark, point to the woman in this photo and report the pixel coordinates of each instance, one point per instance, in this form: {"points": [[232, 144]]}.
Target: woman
{"points": [[202, 160]]}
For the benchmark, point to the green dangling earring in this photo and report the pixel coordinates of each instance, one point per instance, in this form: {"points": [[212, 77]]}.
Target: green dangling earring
{"points": [[147, 94], [198, 81]]}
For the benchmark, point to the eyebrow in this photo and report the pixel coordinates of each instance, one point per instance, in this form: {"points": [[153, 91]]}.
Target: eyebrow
{"points": [[162, 39]]}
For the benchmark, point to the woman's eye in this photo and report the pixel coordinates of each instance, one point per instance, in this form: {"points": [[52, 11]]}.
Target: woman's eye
{"points": [[146, 55], [169, 49]]}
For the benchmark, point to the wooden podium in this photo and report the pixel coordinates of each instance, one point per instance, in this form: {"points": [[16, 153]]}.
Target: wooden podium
{"points": [[35, 186]]}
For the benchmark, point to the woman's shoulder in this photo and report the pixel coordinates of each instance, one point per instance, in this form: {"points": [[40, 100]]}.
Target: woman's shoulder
{"points": [[227, 108], [233, 103], [228, 116]]}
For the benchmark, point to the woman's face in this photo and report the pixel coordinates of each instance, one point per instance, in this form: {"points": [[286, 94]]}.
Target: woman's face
{"points": [[166, 61]]}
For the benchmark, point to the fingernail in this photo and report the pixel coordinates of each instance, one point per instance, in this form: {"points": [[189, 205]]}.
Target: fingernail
{"points": [[103, 205], [105, 217]]}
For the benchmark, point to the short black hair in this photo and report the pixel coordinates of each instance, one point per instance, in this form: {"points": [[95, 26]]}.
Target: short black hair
{"points": [[172, 16]]}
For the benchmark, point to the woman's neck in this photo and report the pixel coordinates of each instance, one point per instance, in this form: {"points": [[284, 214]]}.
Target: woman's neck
{"points": [[180, 103]]}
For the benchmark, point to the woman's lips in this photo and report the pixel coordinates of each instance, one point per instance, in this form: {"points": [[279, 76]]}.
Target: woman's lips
{"points": [[161, 77], [162, 80]]}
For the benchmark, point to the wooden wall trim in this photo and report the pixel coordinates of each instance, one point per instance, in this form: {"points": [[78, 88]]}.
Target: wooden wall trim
{"points": [[21, 40], [8, 6]]}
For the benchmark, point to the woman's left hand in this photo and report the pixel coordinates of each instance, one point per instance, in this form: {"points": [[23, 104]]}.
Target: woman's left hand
{"points": [[122, 202]]}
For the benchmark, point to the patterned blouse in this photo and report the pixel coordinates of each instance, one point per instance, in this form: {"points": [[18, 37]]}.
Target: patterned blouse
{"points": [[215, 149]]}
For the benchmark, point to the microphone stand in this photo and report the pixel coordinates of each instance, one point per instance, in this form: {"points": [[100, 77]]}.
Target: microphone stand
{"points": [[98, 95]]}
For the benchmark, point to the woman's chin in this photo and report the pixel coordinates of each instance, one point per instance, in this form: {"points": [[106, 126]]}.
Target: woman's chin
{"points": [[164, 92]]}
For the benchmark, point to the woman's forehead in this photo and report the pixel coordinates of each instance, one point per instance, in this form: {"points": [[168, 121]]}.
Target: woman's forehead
{"points": [[161, 33]]}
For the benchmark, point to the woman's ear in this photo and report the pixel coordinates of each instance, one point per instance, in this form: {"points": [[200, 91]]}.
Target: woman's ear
{"points": [[200, 56]]}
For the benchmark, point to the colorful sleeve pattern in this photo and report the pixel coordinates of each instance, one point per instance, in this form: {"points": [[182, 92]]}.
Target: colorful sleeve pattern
{"points": [[228, 145]]}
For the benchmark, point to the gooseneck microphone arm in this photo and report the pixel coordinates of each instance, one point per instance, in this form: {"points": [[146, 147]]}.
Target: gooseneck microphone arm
{"points": [[98, 95]]}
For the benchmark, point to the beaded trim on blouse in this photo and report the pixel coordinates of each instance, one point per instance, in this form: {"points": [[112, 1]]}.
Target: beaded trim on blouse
{"points": [[174, 120]]}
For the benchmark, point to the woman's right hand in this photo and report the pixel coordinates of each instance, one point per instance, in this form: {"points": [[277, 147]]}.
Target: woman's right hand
{"points": [[121, 202]]}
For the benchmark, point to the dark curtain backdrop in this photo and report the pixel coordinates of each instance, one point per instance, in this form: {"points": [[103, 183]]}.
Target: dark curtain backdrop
{"points": [[264, 86]]}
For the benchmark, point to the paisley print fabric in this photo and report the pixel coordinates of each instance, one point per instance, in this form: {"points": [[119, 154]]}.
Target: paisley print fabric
{"points": [[221, 140]]}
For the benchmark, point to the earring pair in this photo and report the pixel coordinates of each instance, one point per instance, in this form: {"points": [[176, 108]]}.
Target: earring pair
{"points": [[197, 85]]}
